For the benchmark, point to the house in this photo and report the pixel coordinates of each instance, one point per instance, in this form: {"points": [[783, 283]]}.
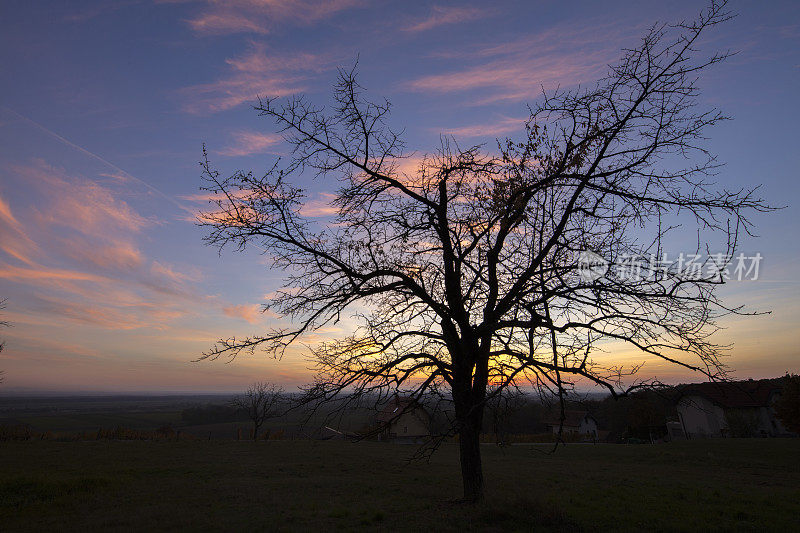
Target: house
{"points": [[575, 423], [730, 409], [404, 418]]}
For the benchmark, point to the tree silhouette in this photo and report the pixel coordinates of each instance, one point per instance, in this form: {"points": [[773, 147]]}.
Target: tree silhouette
{"points": [[465, 274], [787, 407], [260, 402]]}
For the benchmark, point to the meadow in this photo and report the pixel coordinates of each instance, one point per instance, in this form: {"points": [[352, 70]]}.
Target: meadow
{"points": [[286, 485]]}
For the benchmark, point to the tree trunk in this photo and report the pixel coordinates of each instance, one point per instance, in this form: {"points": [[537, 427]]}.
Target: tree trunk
{"points": [[468, 400], [470, 451]]}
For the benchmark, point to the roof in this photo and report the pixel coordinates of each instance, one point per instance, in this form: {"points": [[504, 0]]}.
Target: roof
{"points": [[397, 406], [736, 394], [571, 419]]}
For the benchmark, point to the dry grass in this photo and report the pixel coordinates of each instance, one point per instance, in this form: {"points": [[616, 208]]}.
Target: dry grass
{"points": [[310, 485]]}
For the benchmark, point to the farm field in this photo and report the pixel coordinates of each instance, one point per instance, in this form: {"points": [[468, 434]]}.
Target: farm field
{"points": [[732, 484]]}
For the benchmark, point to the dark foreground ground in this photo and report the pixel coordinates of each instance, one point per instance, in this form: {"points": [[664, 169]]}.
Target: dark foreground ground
{"points": [[312, 485]]}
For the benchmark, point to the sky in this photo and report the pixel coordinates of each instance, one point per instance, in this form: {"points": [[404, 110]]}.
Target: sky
{"points": [[105, 107]]}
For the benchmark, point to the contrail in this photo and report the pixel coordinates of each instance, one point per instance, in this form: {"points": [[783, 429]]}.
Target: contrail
{"points": [[110, 164], [98, 158]]}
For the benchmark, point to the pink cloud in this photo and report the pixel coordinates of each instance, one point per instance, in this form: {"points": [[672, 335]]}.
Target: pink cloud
{"points": [[80, 204], [7, 216], [321, 207], [13, 239], [260, 16], [95, 315], [259, 72], [103, 301], [492, 129], [72, 250], [517, 71], [441, 16], [249, 312], [42, 273], [115, 256], [50, 346], [169, 272], [205, 203], [225, 22], [250, 142], [206, 197], [82, 219], [409, 165]]}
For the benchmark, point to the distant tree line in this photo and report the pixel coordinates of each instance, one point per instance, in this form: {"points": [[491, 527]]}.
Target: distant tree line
{"points": [[788, 406], [212, 414], [641, 415]]}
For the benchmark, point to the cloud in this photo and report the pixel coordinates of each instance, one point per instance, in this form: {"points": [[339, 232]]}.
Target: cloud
{"points": [[409, 165], [205, 203], [53, 347], [114, 256], [321, 207], [259, 72], [517, 70], [13, 240], [261, 16], [226, 21], [491, 129], [7, 217], [250, 142], [94, 315], [40, 273], [72, 253], [80, 204], [249, 312], [86, 221], [169, 272], [441, 16]]}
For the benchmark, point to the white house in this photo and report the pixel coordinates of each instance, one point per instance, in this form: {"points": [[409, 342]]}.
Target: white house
{"points": [[730, 409], [577, 423], [404, 419]]}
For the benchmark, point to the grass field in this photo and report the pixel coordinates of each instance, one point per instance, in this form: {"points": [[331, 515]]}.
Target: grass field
{"points": [[328, 485]]}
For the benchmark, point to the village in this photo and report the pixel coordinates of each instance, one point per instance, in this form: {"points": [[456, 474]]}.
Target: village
{"points": [[710, 410], [693, 411]]}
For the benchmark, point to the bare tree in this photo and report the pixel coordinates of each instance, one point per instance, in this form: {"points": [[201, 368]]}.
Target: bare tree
{"points": [[261, 402], [501, 407], [465, 274], [787, 407]]}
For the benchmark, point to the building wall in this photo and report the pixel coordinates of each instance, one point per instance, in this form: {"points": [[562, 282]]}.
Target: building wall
{"points": [[700, 417], [409, 425], [588, 427]]}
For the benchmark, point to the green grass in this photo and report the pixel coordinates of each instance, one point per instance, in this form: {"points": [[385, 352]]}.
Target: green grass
{"points": [[720, 485]]}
